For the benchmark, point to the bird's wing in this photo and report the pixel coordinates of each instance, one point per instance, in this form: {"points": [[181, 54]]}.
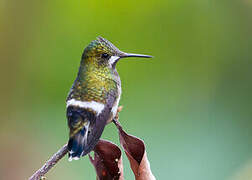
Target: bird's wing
{"points": [[97, 126]]}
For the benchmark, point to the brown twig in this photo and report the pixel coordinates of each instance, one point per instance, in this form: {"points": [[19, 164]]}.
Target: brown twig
{"points": [[49, 164]]}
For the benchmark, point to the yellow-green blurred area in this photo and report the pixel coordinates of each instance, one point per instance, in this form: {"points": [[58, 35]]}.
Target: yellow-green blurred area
{"points": [[191, 104]]}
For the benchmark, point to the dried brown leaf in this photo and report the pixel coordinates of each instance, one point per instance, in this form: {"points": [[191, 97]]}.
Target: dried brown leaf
{"points": [[107, 161], [136, 153]]}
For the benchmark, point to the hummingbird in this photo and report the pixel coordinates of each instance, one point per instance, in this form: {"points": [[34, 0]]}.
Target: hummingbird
{"points": [[94, 97]]}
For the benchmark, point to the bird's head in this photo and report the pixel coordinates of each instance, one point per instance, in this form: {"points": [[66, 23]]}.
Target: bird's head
{"points": [[103, 53]]}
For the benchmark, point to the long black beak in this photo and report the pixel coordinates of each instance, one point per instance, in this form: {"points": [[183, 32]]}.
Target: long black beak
{"points": [[125, 55]]}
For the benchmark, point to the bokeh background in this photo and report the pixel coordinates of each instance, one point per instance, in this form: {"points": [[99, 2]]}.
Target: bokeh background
{"points": [[191, 104]]}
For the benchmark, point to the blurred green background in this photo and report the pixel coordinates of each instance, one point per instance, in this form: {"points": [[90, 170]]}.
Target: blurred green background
{"points": [[191, 104]]}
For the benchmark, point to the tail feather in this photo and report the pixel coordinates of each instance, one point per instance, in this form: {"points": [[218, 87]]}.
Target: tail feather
{"points": [[76, 144]]}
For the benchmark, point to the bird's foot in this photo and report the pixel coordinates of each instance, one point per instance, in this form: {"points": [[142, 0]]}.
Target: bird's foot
{"points": [[116, 118]]}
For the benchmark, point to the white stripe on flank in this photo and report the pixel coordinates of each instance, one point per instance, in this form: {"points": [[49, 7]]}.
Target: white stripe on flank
{"points": [[113, 59], [96, 106], [115, 106]]}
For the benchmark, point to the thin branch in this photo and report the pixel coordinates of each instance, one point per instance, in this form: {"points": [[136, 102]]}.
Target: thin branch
{"points": [[49, 164]]}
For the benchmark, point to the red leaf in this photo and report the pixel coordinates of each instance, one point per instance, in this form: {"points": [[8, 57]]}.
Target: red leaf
{"points": [[107, 161]]}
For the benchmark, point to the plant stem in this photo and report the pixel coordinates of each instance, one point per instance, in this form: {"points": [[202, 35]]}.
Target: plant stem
{"points": [[50, 163]]}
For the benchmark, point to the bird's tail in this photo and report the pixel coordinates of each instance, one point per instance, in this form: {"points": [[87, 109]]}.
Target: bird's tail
{"points": [[77, 143]]}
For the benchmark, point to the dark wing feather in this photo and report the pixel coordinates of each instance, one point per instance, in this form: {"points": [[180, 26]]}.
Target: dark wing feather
{"points": [[78, 123]]}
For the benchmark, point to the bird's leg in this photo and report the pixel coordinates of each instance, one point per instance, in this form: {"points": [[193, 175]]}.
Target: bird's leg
{"points": [[116, 118], [119, 109]]}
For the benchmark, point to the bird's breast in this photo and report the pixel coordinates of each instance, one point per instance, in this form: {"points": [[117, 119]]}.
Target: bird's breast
{"points": [[95, 94]]}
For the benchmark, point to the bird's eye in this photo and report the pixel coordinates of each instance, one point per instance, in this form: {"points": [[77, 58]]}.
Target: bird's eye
{"points": [[105, 56]]}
